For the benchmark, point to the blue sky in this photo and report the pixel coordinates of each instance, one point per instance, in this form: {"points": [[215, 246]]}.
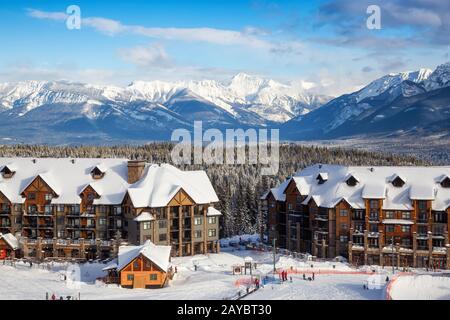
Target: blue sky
{"points": [[323, 43]]}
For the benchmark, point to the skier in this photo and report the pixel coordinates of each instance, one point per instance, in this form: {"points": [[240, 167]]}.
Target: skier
{"points": [[176, 270], [53, 297], [313, 276], [304, 277], [387, 278]]}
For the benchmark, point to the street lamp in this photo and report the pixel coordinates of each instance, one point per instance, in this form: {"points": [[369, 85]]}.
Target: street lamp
{"points": [[392, 260], [274, 254]]}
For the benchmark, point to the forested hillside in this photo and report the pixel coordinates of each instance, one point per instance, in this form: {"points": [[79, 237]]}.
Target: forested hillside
{"points": [[238, 186]]}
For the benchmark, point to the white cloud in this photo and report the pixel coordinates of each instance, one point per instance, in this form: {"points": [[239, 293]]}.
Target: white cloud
{"points": [[153, 55], [207, 35]]}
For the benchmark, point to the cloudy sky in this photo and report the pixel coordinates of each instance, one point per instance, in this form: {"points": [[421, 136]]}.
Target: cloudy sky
{"points": [[322, 42]]}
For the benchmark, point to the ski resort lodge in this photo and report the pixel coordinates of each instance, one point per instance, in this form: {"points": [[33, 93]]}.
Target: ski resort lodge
{"points": [[85, 208], [371, 215]]}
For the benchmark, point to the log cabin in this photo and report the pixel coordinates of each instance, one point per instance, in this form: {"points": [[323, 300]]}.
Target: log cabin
{"points": [[141, 267], [85, 208], [371, 215]]}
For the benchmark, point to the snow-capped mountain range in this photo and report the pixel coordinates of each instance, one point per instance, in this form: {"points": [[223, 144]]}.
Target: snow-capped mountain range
{"points": [[374, 107], [67, 112], [267, 99]]}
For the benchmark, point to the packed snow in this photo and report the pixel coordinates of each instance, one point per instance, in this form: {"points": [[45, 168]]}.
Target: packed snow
{"points": [[211, 277], [421, 287]]}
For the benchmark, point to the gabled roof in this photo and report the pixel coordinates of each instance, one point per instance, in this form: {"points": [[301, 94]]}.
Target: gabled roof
{"points": [[100, 167], [213, 212], [10, 240], [162, 182], [47, 177], [159, 255], [144, 217]]}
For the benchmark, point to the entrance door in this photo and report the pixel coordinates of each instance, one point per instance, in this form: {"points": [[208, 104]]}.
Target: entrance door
{"points": [[139, 281]]}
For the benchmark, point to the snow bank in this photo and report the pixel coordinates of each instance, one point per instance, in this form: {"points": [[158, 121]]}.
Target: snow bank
{"points": [[421, 287]]}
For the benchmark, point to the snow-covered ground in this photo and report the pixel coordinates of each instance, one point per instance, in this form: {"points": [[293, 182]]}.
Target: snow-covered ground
{"points": [[421, 287], [212, 280]]}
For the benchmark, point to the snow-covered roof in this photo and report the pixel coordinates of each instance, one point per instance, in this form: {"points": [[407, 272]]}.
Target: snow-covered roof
{"points": [[162, 182], [160, 255], [213, 212], [144, 216], [10, 240], [421, 183], [398, 221], [67, 177]]}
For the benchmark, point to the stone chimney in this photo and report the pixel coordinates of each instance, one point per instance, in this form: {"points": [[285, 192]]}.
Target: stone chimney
{"points": [[135, 170]]}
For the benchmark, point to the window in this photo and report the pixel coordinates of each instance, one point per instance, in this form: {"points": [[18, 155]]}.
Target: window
{"points": [[389, 228], [31, 196], [48, 197], [406, 229], [90, 196], [117, 210], [358, 215], [162, 224], [153, 277], [60, 234], [130, 277], [163, 237], [48, 209], [422, 230], [289, 206], [390, 215], [136, 265], [374, 204], [343, 238], [212, 232], [198, 221], [18, 220], [119, 223], [32, 208], [102, 209], [146, 225], [60, 208], [422, 205], [439, 217], [344, 226], [406, 242], [18, 207], [398, 182], [212, 220], [198, 234], [102, 222], [351, 181], [406, 215], [343, 212], [373, 227]]}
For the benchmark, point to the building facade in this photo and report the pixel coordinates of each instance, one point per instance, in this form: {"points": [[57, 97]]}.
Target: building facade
{"points": [[371, 215], [85, 208]]}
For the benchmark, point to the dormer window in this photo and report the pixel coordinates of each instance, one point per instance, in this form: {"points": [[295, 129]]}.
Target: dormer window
{"points": [[98, 172], [445, 182], [322, 177], [7, 172], [398, 182], [351, 181]]}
